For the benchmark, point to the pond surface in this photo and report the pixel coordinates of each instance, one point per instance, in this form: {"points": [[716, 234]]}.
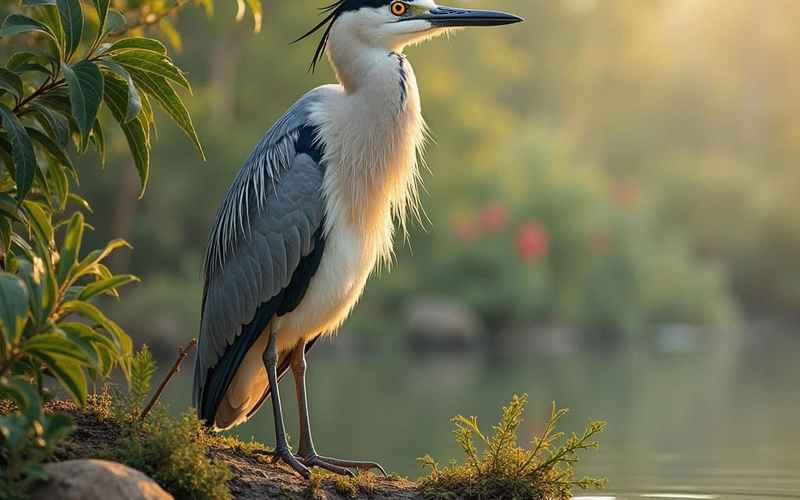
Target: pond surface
{"points": [[716, 419]]}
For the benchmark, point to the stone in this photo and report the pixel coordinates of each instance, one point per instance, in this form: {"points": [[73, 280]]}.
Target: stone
{"points": [[97, 480], [441, 323]]}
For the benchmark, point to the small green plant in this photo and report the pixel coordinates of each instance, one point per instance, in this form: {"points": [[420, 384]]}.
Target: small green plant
{"points": [[171, 450], [142, 369], [504, 470], [29, 438]]}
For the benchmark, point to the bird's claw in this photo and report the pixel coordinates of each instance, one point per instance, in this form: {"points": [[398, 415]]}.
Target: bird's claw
{"points": [[317, 461], [337, 463], [292, 461]]}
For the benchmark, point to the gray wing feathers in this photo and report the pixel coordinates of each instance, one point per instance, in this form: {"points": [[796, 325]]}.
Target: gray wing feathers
{"points": [[264, 227]]}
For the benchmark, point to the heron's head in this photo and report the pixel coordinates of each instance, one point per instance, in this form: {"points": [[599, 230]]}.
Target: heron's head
{"points": [[393, 24]]}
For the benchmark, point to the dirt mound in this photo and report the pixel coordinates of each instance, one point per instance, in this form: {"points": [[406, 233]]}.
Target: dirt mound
{"points": [[254, 477]]}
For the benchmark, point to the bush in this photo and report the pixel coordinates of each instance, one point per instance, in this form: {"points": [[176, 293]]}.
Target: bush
{"points": [[504, 470], [171, 450], [73, 69], [561, 244]]}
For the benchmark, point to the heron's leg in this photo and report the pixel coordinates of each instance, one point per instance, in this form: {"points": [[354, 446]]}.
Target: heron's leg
{"points": [[282, 450], [307, 452]]}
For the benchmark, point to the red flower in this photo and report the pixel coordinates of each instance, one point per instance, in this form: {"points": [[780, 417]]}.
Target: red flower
{"points": [[493, 217], [533, 242]]}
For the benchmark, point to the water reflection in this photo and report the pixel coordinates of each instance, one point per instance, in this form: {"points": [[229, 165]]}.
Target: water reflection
{"points": [[718, 421]]}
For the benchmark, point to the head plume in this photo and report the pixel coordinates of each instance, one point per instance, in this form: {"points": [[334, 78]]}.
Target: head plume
{"points": [[331, 13]]}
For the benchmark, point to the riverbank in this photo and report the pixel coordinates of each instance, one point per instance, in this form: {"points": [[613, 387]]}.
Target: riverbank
{"points": [[253, 475]]}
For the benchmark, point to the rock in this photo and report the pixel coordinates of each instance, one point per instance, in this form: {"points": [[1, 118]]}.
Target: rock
{"points": [[97, 480], [440, 323], [549, 340]]}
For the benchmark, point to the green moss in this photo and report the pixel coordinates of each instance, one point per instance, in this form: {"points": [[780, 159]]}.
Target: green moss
{"points": [[252, 447], [174, 452], [363, 483], [503, 469]]}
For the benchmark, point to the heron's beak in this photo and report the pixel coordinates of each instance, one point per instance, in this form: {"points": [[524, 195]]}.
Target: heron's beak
{"points": [[449, 17]]}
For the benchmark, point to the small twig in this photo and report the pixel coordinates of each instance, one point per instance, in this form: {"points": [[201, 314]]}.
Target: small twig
{"points": [[182, 353]]}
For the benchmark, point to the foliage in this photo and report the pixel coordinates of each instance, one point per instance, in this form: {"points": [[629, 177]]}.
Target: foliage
{"points": [[503, 469], [173, 451], [40, 338], [72, 69], [28, 438], [142, 369], [572, 247]]}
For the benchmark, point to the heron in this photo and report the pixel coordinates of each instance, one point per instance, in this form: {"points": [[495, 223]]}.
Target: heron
{"points": [[312, 212]]}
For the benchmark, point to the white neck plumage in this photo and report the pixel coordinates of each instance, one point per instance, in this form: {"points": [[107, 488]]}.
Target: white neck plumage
{"points": [[373, 131]]}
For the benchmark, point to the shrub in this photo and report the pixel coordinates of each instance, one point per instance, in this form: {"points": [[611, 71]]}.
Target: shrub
{"points": [[171, 450], [73, 69], [504, 470]]}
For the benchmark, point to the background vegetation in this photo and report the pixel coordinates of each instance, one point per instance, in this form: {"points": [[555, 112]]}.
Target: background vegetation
{"points": [[613, 166], [72, 69], [591, 167]]}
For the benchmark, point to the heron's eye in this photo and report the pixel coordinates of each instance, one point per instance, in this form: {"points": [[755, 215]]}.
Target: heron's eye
{"points": [[398, 8]]}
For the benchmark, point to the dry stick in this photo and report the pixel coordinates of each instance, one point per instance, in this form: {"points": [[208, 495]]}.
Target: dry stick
{"points": [[182, 353]]}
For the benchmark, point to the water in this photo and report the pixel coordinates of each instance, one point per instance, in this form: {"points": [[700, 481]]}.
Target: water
{"points": [[714, 419]]}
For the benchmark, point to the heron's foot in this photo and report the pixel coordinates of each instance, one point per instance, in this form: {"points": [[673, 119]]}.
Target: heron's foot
{"points": [[339, 466], [289, 459]]}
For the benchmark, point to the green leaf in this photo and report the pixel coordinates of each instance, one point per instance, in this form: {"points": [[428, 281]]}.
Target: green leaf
{"points": [[142, 43], [102, 11], [69, 372], [41, 222], [99, 141], [71, 248], [22, 152], [136, 133], [98, 341], [85, 83], [159, 88], [36, 3], [21, 62], [255, 6], [11, 83], [140, 60], [17, 23], [9, 208], [51, 17], [92, 313], [72, 21], [51, 147], [134, 101], [115, 21], [5, 243], [13, 305], [54, 344], [106, 285], [94, 257], [52, 123], [24, 395]]}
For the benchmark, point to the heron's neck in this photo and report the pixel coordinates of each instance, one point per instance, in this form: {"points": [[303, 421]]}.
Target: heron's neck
{"points": [[374, 130]]}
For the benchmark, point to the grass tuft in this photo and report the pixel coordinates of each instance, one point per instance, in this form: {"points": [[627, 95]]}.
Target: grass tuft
{"points": [[171, 450], [502, 469]]}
